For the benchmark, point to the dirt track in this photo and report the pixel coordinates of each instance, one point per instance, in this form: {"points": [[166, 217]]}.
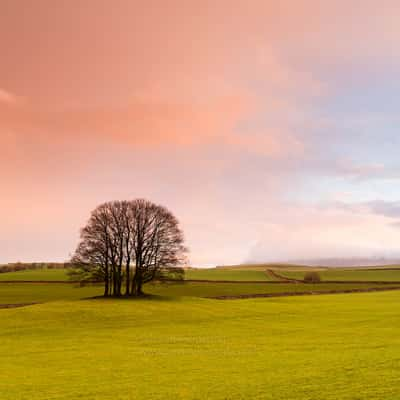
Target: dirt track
{"points": [[274, 275]]}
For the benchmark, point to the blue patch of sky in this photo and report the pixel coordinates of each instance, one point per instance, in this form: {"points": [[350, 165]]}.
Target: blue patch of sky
{"points": [[363, 129]]}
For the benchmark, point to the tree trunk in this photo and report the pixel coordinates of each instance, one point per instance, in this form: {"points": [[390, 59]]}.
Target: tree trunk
{"points": [[106, 285], [115, 282], [135, 279], [137, 285], [127, 283], [119, 278], [139, 290]]}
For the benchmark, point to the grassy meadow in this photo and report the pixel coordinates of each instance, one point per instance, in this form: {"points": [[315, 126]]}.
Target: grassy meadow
{"points": [[177, 344], [341, 274], [228, 274], [32, 293], [259, 273], [36, 275], [238, 273], [21, 293], [330, 347]]}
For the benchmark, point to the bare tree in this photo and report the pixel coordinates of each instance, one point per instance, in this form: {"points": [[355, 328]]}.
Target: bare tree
{"points": [[128, 243], [93, 257], [158, 242], [120, 233]]}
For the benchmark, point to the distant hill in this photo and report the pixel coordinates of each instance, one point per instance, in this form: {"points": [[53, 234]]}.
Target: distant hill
{"points": [[320, 263], [263, 267]]}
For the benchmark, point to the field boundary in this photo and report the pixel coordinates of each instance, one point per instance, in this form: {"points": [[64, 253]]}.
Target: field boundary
{"points": [[18, 305], [290, 294], [46, 282]]}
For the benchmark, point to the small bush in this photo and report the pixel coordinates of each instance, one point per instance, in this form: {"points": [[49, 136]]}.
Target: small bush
{"points": [[312, 277]]}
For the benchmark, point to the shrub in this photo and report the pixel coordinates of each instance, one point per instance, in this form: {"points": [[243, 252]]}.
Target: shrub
{"points": [[312, 277]]}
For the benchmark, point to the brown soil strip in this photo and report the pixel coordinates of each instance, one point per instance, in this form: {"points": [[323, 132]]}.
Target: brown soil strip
{"points": [[288, 294], [16, 305]]}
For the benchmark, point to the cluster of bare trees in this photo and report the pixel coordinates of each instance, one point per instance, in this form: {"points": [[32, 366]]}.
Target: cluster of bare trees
{"points": [[128, 243]]}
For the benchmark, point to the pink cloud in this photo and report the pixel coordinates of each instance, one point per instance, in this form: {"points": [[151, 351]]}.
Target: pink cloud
{"points": [[7, 97], [150, 125], [204, 106]]}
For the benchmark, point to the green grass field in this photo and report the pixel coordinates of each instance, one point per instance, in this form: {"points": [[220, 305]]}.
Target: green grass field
{"points": [[18, 293], [324, 347], [232, 273], [216, 274], [37, 293], [35, 275], [176, 344], [221, 274], [336, 274], [258, 273], [232, 289]]}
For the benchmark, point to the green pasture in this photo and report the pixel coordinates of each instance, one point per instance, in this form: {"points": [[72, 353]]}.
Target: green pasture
{"points": [[18, 293], [221, 274], [198, 289], [316, 347], [233, 273], [35, 275], [216, 274], [341, 274]]}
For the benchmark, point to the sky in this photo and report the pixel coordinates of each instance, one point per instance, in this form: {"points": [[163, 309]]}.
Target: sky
{"points": [[269, 128]]}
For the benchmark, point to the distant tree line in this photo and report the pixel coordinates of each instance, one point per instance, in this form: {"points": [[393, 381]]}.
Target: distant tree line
{"points": [[128, 243], [19, 266]]}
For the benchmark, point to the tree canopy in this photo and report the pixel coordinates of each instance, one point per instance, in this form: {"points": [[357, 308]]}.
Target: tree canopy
{"points": [[129, 243]]}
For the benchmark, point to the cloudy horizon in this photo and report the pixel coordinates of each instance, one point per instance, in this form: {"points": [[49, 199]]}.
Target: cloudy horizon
{"points": [[269, 130]]}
